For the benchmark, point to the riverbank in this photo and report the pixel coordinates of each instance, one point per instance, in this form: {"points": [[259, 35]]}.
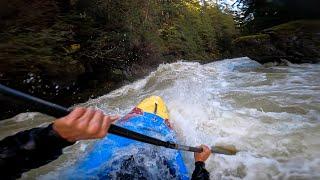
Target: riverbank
{"points": [[70, 51], [295, 42]]}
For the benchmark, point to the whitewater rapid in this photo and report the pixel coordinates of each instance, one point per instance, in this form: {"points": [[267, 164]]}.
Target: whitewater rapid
{"points": [[271, 113]]}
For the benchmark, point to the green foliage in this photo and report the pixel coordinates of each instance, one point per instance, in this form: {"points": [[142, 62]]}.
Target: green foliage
{"points": [[258, 37], [86, 45], [197, 32], [294, 26], [257, 15], [174, 29], [104, 35]]}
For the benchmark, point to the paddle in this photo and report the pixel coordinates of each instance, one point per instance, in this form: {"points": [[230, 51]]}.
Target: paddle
{"points": [[60, 111]]}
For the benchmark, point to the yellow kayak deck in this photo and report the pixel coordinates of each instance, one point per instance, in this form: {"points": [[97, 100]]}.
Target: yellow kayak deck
{"points": [[155, 105]]}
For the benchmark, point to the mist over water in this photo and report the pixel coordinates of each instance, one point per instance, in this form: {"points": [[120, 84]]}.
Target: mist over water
{"points": [[271, 113]]}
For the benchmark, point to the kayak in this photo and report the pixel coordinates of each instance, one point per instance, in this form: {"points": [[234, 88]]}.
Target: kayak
{"points": [[115, 157]]}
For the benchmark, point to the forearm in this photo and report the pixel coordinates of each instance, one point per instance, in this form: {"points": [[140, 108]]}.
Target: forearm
{"points": [[28, 150], [200, 173]]}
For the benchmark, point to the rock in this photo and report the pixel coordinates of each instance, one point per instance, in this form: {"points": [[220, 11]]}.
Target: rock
{"points": [[296, 42]]}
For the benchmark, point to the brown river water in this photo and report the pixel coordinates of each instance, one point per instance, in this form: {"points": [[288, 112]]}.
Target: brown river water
{"points": [[271, 113]]}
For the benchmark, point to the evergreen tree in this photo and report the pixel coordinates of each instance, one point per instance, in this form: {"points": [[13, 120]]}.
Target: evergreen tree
{"points": [[260, 14]]}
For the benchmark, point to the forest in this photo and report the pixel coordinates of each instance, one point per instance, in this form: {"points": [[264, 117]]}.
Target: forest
{"points": [[71, 50]]}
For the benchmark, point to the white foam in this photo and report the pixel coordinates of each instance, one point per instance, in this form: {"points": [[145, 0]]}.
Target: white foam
{"points": [[270, 113]]}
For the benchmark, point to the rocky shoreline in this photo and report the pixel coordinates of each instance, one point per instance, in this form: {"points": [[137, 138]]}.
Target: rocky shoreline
{"points": [[66, 92], [295, 42]]}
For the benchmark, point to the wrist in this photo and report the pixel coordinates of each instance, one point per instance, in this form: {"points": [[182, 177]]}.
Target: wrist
{"points": [[53, 137], [57, 132], [199, 160], [199, 163]]}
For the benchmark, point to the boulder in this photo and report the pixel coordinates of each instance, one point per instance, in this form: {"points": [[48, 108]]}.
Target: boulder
{"points": [[296, 42]]}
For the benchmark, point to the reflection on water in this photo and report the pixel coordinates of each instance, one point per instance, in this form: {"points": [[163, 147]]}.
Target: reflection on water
{"points": [[271, 113]]}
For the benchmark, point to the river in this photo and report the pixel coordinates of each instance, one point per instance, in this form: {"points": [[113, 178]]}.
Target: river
{"points": [[271, 113]]}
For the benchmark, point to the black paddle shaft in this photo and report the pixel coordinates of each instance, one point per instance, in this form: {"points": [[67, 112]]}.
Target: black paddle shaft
{"points": [[60, 111]]}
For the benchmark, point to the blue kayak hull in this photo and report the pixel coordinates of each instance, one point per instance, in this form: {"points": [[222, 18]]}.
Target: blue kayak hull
{"points": [[116, 157]]}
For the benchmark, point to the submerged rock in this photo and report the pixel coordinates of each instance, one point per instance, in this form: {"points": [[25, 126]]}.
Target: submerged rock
{"points": [[296, 42]]}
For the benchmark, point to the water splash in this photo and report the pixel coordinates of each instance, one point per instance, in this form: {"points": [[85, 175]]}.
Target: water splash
{"points": [[271, 113]]}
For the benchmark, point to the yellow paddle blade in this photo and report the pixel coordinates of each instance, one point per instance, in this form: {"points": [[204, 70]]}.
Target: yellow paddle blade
{"points": [[224, 149]]}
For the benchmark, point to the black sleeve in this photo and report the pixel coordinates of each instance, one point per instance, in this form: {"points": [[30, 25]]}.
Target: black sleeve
{"points": [[200, 173], [28, 150]]}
